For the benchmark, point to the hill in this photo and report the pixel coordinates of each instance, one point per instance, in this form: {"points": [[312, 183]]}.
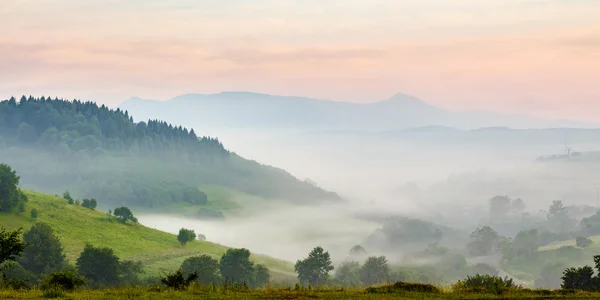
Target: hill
{"points": [[157, 250], [243, 110], [97, 152]]}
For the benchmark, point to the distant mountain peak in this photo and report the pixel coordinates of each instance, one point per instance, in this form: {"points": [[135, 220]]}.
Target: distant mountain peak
{"points": [[405, 101]]}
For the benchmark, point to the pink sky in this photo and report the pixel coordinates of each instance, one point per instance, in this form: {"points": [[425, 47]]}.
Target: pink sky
{"points": [[540, 57]]}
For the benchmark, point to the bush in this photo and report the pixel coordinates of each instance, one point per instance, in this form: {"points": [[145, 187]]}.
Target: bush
{"points": [[65, 280], [403, 287], [485, 284], [178, 281], [34, 213], [583, 242]]}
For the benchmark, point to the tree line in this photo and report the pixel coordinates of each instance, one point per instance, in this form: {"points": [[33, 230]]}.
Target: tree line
{"points": [[98, 152]]}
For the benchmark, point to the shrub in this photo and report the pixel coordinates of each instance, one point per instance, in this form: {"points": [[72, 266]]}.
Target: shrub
{"points": [[403, 287], [583, 242], [65, 280], [178, 281], [485, 284], [34, 213]]}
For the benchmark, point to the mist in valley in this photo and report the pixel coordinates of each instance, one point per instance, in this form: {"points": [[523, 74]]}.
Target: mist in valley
{"points": [[381, 177]]}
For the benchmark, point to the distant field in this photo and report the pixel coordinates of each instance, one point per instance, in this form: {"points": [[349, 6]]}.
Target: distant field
{"points": [[76, 226], [529, 269]]}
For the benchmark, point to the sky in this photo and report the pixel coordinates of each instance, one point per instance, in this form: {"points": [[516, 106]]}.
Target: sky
{"points": [[539, 57]]}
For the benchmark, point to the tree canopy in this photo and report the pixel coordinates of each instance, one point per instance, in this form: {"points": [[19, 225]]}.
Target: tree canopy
{"points": [[314, 269], [185, 236], [236, 267], [44, 252], [11, 197]]}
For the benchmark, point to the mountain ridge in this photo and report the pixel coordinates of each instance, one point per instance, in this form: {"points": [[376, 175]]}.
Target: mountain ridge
{"points": [[236, 109]]}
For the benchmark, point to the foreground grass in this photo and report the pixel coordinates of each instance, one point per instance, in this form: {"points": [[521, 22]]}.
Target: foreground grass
{"points": [[157, 250], [205, 293]]}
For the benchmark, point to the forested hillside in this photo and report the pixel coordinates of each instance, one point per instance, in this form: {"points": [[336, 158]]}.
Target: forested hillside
{"points": [[94, 151]]}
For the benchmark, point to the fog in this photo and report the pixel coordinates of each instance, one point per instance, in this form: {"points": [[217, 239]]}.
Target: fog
{"points": [[380, 175]]}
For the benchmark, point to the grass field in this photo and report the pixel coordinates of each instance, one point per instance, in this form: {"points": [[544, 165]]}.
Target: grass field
{"points": [[566, 252], [205, 293], [76, 226]]}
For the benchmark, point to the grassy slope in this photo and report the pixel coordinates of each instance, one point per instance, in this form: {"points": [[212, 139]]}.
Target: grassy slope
{"points": [[231, 202], [76, 225]]}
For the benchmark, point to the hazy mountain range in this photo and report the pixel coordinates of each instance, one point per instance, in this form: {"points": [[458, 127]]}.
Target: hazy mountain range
{"points": [[252, 110]]}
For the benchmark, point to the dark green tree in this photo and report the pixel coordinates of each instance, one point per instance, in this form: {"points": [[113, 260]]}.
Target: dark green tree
{"points": [[34, 213], [236, 267], [67, 196], [262, 276], [375, 270], [205, 266], [124, 214], [314, 269], [44, 252], [100, 266], [130, 271], [11, 197], [89, 203], [11, 247], [185, 236]]}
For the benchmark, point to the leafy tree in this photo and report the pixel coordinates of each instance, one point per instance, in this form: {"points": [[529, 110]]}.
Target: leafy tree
{"points": [[44, 252], [130, 271], [525, 243], [89, 203], [124, 214], [262, 276], [314, 269], [375, 270], [99, 265], [558, 217], [11, 197], [348, 274], [236, 267], [581, 278], [11, 247], [205, 266], [201, 237], [185, 236], [483, 241]]}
